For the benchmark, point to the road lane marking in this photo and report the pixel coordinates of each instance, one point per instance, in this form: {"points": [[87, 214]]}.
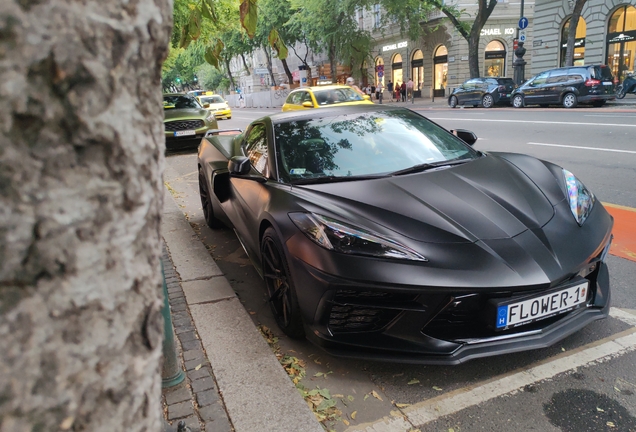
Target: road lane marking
{"points": [[581, 147], [427, 411], [609, 116], [535, 122]]}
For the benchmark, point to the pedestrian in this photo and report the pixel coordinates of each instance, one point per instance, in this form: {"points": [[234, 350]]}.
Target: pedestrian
{"points": [[367, 90], [379, 89], [409, 90], [389, 88], [397, 91], [352, 83], [403, 91]]}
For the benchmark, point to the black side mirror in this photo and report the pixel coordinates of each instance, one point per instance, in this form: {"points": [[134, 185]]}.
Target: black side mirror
{"points": [[465, 135], [239, 165]]}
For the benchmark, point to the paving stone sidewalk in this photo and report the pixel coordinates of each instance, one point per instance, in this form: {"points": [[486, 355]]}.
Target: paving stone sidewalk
{"points": [[197, 400]]}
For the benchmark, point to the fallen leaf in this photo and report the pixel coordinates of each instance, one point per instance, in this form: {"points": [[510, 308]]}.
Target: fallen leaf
{"points": [[346, 422], [396, 413], [451, 430], [366, 396], [252, 313], [376, 395], [319, 374], [563, 349], [317, 362], [600, 409], [198, 367], [610, 424], [401, 405], [437, 388], [67, 423], [338, 396], [350, 398], [353, 415], [617, 389], [413, 381]]}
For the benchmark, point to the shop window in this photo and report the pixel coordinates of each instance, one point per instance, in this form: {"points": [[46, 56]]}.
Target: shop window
{"points": [[417, 71], [440, 71], [579, 42], [495, 59], [396, 69], [621, 42]]}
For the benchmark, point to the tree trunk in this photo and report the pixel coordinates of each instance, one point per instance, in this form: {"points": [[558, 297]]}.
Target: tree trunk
{"points": [[247, 69], [229, 72], [290, 78], [574, 22], [473, 52], [81, 159], [333, 65], [268, 57]]}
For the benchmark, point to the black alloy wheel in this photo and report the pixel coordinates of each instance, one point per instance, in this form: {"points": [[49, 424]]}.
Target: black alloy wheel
{"points": [[452, 102], [280, 287], [206, 203]]}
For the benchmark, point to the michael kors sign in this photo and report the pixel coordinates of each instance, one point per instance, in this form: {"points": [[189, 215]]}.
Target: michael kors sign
{"points": [[394, 46]]}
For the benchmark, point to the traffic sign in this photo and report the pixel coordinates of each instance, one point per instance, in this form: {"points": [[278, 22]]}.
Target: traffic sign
{"points": [[522, 36], [523, 23]]}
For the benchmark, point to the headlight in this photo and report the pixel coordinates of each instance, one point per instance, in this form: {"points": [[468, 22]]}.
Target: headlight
{"points": [[340, 237], [580, 198]]}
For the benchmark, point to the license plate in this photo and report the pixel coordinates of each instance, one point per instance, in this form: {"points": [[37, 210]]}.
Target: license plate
{"points": [[540, 307], [607, 83], [184, 133], [507, 94]]}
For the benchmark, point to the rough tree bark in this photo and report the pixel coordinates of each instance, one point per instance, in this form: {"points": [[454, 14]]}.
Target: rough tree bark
{"points": [[81, 160], [574, 22]]}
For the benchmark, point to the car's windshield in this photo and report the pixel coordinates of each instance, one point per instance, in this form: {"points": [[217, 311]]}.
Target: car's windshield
{"points": [[363, 144], [179, 101], [211, 99], [335, 96]]}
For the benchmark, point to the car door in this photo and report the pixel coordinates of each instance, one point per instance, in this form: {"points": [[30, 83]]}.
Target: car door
{"points": [[471, 96], [533, 91], [248, 195], [555, 84]]}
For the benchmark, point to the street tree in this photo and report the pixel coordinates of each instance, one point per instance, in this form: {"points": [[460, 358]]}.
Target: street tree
{"points": [[574, 22], [81, 159], [471, 33]]}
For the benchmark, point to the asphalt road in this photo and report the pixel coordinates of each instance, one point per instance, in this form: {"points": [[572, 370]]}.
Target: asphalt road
{"points": [[586, 382]]}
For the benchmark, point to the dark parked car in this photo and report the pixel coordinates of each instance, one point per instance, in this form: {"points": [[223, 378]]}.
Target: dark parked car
{"points": [[486, 92], [381, 235], [185, 121], [567, 86]]}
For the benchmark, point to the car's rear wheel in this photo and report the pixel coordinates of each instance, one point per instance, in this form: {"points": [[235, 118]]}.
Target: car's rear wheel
{"points": [[280, 287], [517, 101], [206, 203], [487, 101], [452, 102], [570, 100]]}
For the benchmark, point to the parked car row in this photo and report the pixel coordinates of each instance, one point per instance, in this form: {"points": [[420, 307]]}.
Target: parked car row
{"points": [[567, 86]]}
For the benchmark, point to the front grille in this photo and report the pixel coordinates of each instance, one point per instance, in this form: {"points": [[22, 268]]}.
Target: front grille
{"points": [[180, 125], [365, 311]]}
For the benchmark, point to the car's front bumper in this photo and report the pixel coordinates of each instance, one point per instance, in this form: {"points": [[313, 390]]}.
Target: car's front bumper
{"points": [[417, 313], [223, 113], [184, 142]]}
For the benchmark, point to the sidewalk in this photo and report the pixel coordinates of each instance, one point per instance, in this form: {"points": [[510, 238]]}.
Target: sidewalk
{"points": [[234, 380]]}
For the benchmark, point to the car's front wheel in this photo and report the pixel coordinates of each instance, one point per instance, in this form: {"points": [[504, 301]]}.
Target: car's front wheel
{"points": [[206, 203], [570, 100], [620, 94], [452, 102], [517, 101], [487, 101], [281, 292]]}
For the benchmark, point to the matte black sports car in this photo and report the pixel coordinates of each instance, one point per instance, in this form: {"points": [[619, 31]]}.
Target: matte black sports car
{"points": [[381, 235]]}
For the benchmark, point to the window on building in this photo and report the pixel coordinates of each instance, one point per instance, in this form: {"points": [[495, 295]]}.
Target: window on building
{"points": [[417, 69], [495, 59], [396, 69], [440, 67], [579, 42], [376, 15], [360, 15]]}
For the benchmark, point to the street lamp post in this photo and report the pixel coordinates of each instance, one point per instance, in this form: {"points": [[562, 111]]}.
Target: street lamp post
{"points": [[519, 63]]}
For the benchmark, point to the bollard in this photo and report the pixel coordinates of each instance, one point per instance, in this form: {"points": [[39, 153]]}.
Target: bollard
{"points": [[171, 374]]}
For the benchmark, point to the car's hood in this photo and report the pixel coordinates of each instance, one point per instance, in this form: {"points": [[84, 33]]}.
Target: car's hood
{"points": [[488, 198], [171, 114], [362, 102], [217, 106]]}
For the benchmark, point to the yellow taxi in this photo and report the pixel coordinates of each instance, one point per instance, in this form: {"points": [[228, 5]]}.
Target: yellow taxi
{"points": [[324, 96], [218, 105]]}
